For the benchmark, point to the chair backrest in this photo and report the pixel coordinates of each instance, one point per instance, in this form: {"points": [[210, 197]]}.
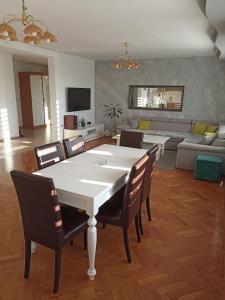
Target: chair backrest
{"points": [[40, 209], [146, 187], [48, 154], [132, 195], [73, 146], [132, 139]]}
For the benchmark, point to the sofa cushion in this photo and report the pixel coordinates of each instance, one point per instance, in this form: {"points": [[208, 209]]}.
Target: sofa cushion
{"points": [[199, 127], [193, 138], [185, 121], [144, 124], [219, 142], [221, 131], [178, 125], [158, 119], [160, 125]]}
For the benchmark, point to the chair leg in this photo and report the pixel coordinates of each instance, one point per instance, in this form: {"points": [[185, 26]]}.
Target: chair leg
{"points": [[140, 222], [137, 228], [58, 254], [148, 208], [27, 258], [126, 244], [71, 243], [85, 239]]}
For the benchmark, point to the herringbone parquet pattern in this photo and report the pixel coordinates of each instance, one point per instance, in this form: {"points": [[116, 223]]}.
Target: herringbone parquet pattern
{"points": [[180, 256]]}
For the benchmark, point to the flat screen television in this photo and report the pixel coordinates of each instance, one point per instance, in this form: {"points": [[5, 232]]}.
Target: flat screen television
{"points": [[78, 99]]}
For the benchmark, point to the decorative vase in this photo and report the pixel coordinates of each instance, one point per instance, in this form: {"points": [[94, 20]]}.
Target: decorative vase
{"points": [[107, 132], [82, 124]]}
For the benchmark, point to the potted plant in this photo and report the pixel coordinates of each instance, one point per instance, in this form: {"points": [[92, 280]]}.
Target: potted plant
{"points": [[113, 111], [82, 122]]}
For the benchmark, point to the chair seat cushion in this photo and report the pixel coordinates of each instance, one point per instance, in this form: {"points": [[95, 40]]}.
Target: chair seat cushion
{"points": [[109, 214], [74, 221], [111, 211]]}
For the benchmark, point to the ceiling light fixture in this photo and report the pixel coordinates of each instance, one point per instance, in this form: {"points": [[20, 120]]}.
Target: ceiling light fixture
{"points": [[125, 62], [35, 31]]}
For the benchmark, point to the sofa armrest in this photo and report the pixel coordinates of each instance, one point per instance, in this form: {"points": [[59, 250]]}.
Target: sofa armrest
{"points": [[187, 153], [200, 147]]}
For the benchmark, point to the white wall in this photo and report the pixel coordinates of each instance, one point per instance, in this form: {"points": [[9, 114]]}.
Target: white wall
{"points": [[19, 66], [8, 109], [73, 71], [64, 71]]}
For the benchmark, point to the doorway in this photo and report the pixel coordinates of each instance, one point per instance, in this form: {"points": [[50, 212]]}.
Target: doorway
{"points": [[32, 93], [34, 98]]}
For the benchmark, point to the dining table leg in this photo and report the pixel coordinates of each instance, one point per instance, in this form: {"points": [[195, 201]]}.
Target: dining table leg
{"points": [[92, 242], [33, 247]]}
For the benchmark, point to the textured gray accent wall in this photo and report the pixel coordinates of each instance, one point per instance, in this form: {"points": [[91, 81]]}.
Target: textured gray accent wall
{"points": [[203, 78]]}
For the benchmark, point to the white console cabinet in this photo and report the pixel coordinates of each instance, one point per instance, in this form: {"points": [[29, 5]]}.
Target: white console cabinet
{"points": [[89, 132]]}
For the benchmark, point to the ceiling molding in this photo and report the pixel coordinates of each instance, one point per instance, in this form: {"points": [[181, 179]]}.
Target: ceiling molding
{"points": [[214, 10], [95, 30]]}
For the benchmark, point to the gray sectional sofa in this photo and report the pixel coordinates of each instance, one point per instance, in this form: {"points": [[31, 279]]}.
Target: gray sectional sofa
{"points": [[187, 152], [187, 144]]}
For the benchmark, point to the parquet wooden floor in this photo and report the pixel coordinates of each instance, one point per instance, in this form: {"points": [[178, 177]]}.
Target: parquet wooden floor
{"points": [[180, 256]]}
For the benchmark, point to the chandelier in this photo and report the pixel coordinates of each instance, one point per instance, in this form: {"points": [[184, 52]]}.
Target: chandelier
{"points": [[33, 34], [125, 62]]}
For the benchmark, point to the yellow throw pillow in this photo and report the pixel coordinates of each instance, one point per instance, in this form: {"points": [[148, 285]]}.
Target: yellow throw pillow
{"points": [[199, 128], [144, 124], [209, 133], [212, 128]]}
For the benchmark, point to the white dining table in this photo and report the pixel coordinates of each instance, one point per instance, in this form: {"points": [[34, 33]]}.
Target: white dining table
{"points": [[88, 180]]}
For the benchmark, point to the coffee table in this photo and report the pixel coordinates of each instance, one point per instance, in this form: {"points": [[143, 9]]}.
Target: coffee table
{"points": [[150, 139]]}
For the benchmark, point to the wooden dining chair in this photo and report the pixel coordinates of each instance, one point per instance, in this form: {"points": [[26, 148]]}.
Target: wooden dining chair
{"points": [[48, 154], [44, 221], [147, 181], [73, 146], [124, 206], [132, 139]]}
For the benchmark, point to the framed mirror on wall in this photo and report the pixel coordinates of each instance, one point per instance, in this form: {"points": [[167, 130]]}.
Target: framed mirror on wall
{"points": [[156, 97]]}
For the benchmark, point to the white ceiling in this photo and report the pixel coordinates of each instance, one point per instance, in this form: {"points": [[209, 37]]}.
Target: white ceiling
{"points": [[95, 28]]}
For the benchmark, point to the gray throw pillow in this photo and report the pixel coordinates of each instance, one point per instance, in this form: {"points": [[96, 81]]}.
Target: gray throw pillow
{"points": [[134, 123], [221, 131], [208, 140]]}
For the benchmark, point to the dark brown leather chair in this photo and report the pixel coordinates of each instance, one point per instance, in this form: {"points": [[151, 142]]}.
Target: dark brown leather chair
{"points": [[146, 187], [48, 154], [73, 146], [124, 206], [132, 139], [44, 221]]}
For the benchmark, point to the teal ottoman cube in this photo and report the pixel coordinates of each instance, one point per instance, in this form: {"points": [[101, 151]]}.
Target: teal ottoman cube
{"points": [[208, 167]]}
